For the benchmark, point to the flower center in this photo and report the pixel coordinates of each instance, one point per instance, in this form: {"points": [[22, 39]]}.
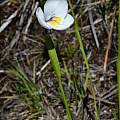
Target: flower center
{"points": [[55, 21]]}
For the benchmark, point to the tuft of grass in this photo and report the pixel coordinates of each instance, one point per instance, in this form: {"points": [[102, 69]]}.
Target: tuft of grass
{"points": [[28, 91], [78, 92], [70, 51]]}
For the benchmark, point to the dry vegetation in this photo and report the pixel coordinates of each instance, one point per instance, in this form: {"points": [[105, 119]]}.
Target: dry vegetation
{"points": [[23, 56]]}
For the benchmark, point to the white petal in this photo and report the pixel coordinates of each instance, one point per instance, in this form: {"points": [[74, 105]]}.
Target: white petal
{"points": [[41, 18], [54, 8], [68, 21]]}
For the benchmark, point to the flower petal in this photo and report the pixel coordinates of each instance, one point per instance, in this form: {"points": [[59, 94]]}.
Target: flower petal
{"points": [[68, 21], [41, 18], [54, 8]]}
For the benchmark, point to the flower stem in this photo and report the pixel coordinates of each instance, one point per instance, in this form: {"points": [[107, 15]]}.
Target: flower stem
{"points": [[56, 66]]}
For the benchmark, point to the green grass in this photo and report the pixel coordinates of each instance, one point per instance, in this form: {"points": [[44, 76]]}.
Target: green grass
{"points": [[76, 86], [79, 39], [27, 90]]}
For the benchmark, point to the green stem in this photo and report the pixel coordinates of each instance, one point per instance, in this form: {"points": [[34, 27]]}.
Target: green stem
{"points": [[78, 36], [55, 63]]}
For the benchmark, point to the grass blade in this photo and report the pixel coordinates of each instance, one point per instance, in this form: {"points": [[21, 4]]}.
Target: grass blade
{"points": [[78, 36]]}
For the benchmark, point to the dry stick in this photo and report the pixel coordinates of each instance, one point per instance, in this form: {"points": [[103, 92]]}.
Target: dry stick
{"points": [[92, 25], [43, 67], [9, 20], [109, 45], [109, 93], [94, 3], [3, 2], [30, 19], [18, 32], [102, 100], [95, 23]]}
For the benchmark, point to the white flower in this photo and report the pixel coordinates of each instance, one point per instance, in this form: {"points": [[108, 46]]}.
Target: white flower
{"points": [[55, 15]]}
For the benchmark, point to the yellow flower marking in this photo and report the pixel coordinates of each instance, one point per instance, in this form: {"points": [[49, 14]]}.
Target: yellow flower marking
{"points": [[55, 21]]}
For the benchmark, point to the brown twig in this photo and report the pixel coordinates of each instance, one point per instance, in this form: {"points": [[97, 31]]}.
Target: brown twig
{"points": [[92, 25], [109, 45], [30, 19]]}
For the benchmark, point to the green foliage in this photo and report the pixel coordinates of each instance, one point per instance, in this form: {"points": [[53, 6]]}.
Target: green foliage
{"points": [[115, 113], [28, 91], [79, 39], [70, 51]]}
